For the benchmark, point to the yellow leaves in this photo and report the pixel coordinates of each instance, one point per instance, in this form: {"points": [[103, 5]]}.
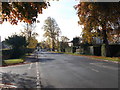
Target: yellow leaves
{"points": [[90, 6], [32, 42], [27, 21], [82, 19], [79, 22], [95, 15], [94, 24], [85, 24], [110, 38], [82, 4], [23, 11], [87, 36]]}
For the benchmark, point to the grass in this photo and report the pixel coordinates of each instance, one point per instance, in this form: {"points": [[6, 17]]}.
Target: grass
{"points": [[94, 57], [107, 58], [13, 61]]}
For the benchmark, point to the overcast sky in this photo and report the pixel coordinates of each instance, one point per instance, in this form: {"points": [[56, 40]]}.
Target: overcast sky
{"points": [[62, 11]]}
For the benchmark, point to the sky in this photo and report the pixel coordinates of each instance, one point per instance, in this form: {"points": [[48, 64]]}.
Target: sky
{"points": [[62, 11]]}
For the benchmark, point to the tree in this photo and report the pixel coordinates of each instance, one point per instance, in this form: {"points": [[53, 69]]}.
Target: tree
{"points": [[52, 31], [22, 11], [64, 43], [76, 41], [18, 44], [64, 39], [48, 43], [44, 45], [30, 34], [16, 41], [32, 42], [29, 31], [99, 19]]}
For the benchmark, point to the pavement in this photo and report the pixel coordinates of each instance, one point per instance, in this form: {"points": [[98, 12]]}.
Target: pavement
{"points": [[21, 75], [54, 70]]}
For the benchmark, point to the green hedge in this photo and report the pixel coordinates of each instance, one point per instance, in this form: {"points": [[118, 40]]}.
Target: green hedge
{"points": [[29, 50], [17, 53], [13, 53], [6, 54]]}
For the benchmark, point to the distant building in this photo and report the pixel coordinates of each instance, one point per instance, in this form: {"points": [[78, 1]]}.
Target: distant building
{"points": [[97, 40]]}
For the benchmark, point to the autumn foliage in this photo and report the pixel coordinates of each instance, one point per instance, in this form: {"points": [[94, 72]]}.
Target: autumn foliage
{"points": [[22, 11], [99, 19]]}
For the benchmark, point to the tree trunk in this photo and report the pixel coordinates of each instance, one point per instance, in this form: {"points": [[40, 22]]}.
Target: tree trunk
{"points": [[105, 51], [53, 46]]}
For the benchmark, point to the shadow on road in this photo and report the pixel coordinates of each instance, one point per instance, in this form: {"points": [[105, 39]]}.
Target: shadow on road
{"points": [[31, 58], [45, 59], [21, 81], [48, 87], [51, 53]]}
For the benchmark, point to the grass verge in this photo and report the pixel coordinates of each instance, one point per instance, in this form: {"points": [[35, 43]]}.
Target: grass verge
{"points": [[13, 61], [94, 57], [106, 58]]}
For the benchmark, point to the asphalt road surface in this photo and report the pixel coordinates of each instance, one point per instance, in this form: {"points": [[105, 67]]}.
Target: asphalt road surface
{"points": [[53, 70], [68, 71]]}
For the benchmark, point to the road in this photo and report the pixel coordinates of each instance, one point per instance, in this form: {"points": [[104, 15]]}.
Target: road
{"points": [[53, 70]]}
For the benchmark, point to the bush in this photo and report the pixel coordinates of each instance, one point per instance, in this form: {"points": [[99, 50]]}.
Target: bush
{"points": [[18, 53], [114, 50], [13, 53], [29, 50], [97, 50], [3, 63], [6, 54], [18, 44], [73, 49]]}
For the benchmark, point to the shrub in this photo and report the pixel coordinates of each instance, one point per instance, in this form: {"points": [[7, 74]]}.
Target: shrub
{"points": [[6, 54], [29, 50], [17, 53], [18, 44]]}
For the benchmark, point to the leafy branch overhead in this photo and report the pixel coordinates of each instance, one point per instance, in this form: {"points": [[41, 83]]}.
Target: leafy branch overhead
{"points": [[99, 19], [22, 11]]}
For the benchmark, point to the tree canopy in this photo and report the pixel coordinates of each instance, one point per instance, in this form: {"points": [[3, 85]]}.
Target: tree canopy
{"points": [[32, 42], [29, 31], [22, 11], [30, 35], [76, 41], [52, 31], [64, 43], [18, 44], [64, 39], [16, 41], [99, 19]]}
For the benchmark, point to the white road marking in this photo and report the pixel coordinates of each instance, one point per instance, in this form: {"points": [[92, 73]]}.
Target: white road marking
{"points": [[7, 86], [95, 70], [30, 66], [38, 76], [92, 63], [102, 65]]}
